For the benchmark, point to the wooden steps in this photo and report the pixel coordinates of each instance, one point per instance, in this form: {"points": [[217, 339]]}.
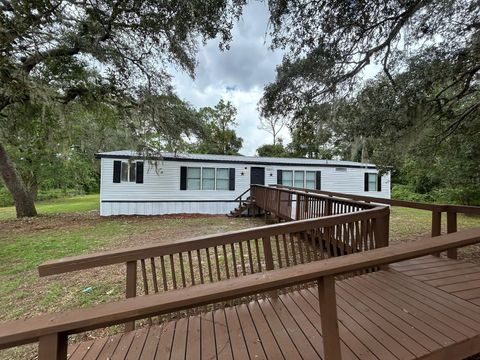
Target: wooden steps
{"points": [[242, 207], [382, 315]]}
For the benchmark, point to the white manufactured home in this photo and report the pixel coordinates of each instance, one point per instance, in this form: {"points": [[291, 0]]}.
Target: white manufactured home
{"points": [[209, 184]]}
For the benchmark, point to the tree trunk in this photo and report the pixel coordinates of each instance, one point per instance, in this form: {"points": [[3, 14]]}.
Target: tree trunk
{"points": [[23, 199]]}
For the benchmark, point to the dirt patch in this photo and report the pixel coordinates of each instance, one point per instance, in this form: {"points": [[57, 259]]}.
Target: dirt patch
{"points": [[81, 219]]}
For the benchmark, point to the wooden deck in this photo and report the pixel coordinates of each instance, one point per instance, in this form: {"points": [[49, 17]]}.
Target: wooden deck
{"points": [[422, 308]]}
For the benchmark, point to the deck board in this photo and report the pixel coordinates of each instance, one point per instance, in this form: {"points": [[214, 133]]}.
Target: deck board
{"points": [[421, 308]]}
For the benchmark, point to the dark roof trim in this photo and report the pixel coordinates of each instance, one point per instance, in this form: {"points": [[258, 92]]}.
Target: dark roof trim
{"points": [[169, 201], [166, 158]]}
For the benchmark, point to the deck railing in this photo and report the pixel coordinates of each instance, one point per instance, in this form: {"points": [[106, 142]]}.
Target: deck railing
{"points": [[297, 204], [232, 265], [51, 331], [337, 227], [436, 210]]}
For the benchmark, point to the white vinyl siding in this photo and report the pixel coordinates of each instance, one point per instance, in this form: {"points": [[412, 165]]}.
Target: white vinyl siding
{"points": [[160, 191]]}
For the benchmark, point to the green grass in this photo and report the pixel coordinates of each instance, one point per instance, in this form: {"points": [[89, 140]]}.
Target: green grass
{"points": [[408, 223], [28, 243], [57, 206]]}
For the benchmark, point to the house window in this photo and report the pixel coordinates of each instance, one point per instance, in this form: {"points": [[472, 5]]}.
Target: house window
{"points": [[128, 173], [372, 182], [310, 179], [223, 178], [208, 179], [193, 178], [299, 179], [287, 178]]}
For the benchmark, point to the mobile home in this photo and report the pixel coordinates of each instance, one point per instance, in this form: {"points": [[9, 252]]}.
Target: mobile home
{"points": [[209, 184]]}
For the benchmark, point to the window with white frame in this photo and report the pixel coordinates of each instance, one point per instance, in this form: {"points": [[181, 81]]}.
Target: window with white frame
{"points": [[299, 179], [287, 178], [128, 171], [310, 179], [194, 178], [223, 178], [207, 178], [372, 182]]}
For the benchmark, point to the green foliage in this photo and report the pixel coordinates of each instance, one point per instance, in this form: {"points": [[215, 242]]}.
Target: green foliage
{"points": [[329, 45], [102, 56], [420, 114], [164, 122], [442, 195], [218, 135], [271, 150], [53, 145]]}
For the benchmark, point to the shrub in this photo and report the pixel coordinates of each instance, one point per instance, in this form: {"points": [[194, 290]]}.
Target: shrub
{"points": [[466, 195]]}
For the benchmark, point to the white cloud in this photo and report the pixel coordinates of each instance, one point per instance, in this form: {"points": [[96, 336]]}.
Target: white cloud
{"points": [[237, 75]]}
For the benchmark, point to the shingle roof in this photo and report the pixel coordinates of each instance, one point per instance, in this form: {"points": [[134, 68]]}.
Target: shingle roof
{"points": [[167, 156]]}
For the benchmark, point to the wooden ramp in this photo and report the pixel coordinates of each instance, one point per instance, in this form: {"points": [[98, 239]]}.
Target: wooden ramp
{"points": [[421, 308]]}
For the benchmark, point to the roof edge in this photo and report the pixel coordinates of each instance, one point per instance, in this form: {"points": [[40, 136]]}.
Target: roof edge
{"points": [[246, 161]]}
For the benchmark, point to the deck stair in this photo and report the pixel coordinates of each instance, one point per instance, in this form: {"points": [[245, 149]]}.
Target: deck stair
{"points": [[244, 207]]}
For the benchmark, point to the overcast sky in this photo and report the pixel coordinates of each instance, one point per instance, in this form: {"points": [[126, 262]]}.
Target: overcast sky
{"points": [[238, 75]]}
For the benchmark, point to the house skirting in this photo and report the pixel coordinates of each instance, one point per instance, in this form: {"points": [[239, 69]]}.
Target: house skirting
{"points": [[159, 207]]}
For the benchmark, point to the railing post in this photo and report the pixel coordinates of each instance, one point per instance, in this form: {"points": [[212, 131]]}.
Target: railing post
{"points": [[297, 207], [278, 204], [328, 207], [53, 347], [131, 288], [267, 252], [382, 230], [451, 228], [436, 225], [265, 195], [328, 315]]}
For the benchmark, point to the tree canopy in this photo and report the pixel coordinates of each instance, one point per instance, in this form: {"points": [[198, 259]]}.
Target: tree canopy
{"points": [[420, 113], [116, 52], [218, 135], [330, 44]]}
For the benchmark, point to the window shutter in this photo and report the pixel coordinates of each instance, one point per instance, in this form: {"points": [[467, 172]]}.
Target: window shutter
{"points": [[318, 180], [366, 182], [139, 170], [379, 182], [117, 168], [183, 178], [279, 177], [231, 183]]}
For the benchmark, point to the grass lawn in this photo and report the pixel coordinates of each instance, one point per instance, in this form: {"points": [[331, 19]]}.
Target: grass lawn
{"points": [[69, 227], [56, 206]]}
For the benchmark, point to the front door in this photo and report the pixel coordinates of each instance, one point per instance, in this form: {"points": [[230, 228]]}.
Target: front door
{"points": [[257, 175]]}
